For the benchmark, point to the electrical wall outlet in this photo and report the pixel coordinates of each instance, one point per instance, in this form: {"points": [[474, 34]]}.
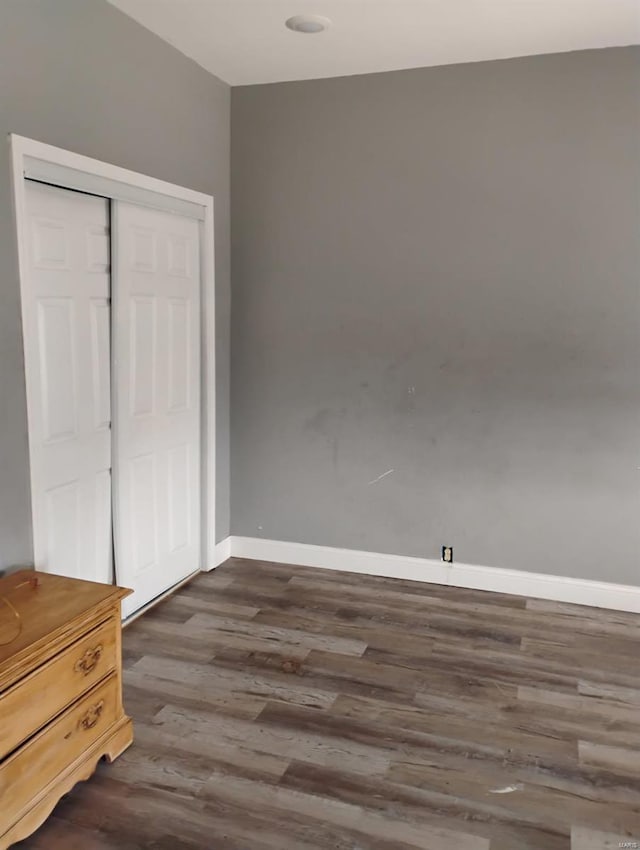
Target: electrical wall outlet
{"points": [[447, 554]]}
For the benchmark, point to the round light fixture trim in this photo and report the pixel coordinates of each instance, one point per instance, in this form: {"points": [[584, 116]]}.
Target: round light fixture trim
{"points": [[308, 24]]}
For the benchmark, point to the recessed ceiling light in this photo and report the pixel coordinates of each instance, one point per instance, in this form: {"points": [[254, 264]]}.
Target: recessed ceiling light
{"points": [[308, 24]]}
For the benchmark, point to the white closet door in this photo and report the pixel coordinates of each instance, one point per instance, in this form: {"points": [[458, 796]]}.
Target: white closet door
{"points": [[67, 363], [156, 315]]}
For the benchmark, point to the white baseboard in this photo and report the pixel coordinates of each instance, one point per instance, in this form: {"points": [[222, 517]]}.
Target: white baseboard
{"points": [[597, 594]]}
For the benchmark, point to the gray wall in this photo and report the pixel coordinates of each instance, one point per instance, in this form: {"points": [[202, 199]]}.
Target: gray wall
{"points": [[437, 272], [81, 75]]}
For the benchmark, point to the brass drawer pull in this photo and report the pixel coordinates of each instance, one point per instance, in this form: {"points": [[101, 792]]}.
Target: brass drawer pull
{"points": [[91, 717], [89, 660]]}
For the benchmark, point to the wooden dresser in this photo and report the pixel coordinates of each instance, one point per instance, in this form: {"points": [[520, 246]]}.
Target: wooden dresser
{"points": [[60, 692]]}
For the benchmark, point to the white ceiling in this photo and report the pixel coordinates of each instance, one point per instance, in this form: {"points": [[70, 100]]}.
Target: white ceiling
{"points": [[245, 41]]}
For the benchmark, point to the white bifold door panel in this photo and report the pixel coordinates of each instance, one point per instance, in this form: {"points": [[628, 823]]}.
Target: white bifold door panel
{"points": [[156, 381], [67, 362]]}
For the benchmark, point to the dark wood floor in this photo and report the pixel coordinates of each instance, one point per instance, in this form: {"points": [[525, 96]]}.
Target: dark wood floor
{"points": [[291, 708]]}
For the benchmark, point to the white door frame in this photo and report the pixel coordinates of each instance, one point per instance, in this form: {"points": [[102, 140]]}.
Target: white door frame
{"points": [[142, 188]]}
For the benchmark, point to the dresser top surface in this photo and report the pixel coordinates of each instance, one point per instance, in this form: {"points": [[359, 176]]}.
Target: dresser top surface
{"points": [[36, 606]]}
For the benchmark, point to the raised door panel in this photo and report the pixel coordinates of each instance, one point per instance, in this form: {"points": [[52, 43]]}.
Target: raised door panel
{"points": [[143, 503], [179, 490], [143, 244], [56, 333], [64, 528], [179, 346], [143, 354], [50, 246], [179, 256]]}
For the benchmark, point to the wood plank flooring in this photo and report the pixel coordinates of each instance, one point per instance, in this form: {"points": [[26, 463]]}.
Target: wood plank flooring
{"points": [[292, 708]]}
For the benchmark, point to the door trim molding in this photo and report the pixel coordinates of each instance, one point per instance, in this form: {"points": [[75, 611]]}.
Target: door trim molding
{"points": [[222, 554], [597, 594], [140, 188]]}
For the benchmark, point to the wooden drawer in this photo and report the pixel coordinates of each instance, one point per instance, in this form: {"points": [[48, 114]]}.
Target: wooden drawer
{"points": [[46, 756], [38, 698]]}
